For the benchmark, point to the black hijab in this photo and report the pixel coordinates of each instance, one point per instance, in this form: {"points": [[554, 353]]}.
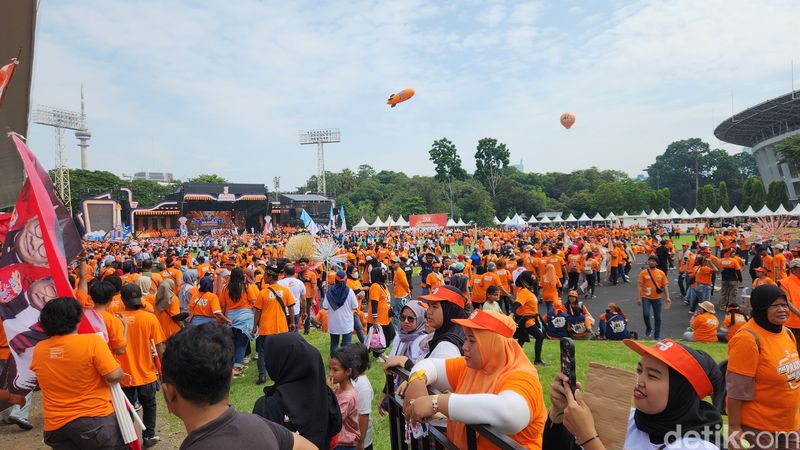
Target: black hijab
{"points": [[296, 366], [760, 299], [449, 331], [684, 407]]}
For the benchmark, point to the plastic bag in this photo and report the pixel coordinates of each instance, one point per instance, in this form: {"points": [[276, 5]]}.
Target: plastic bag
{"points": [[376, 339]]}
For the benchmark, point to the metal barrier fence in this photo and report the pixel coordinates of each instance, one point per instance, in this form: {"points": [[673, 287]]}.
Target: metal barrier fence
{"points": [[436, 439]]}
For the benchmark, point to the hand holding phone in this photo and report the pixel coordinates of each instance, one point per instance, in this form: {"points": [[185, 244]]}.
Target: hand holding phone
{"points": [[568, 362]]}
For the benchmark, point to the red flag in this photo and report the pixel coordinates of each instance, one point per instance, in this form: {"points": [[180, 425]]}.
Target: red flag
{"points": [[6, 72]]}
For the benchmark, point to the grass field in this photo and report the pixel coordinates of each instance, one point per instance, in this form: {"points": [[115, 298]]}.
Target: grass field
{"points": [[244, 392]]}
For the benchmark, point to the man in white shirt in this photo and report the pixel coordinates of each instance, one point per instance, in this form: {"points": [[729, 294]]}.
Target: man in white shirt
{"points": [[296, 287]]}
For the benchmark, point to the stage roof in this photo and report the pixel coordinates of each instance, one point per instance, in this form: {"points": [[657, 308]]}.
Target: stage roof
{"points": [[306, 197], [761, 122], [219, 188]]}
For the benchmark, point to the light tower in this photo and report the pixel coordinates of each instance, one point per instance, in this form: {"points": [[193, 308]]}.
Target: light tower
{"points": [[83, 137], [60, 119], [320, 137]]}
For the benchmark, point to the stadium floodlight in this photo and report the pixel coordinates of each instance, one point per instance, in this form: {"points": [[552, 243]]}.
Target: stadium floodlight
{"points": [[60, 119], [320, 137]]}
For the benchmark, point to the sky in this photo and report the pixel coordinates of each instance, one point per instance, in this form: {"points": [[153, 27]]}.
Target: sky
{"points": [[194, 87]]}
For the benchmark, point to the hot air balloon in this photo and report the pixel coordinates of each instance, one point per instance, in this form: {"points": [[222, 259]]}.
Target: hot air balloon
{"points": [[400, 97], [567, 120]]}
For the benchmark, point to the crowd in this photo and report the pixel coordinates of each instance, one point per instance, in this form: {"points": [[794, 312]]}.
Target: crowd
{"points": [[204, 308]]}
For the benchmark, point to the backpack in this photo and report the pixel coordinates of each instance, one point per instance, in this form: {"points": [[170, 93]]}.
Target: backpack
{"points": [[616, 327]]}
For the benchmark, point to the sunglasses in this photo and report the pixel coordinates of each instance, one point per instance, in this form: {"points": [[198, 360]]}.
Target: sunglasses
{"points": [[408, 319]]}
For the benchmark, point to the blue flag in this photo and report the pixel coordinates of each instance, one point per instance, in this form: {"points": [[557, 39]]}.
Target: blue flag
{"points": [[305, 218]]}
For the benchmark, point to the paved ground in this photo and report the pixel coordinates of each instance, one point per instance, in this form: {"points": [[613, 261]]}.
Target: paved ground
{"points": [[674, 320]]}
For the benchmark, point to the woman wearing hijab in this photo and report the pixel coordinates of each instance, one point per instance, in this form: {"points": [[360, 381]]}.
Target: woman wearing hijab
{"points": [[526, 315], [300, 399], [494, 383], [340, 301], [237, 303], [168, 309], [550, 284], [378, 311], [355, 284], [445, 305], [669, 412], [763, 375], [187, 288]]}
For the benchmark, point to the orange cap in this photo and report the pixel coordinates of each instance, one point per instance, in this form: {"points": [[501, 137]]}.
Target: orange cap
{"points": [[674, 355], [446, 294], [489, 320]]}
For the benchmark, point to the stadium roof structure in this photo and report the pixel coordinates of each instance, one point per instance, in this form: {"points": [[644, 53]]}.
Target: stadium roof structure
{"points": [[761, 122], [306, 197]]}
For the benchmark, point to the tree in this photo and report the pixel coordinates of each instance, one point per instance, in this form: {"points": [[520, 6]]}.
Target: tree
{"points": [[207, 178], [788, 151], [149, 193], [89, 183], [473, 202], [675, 169], [776, 195], [365, 171], [724, 199], [490, 159], [707, 198], [444, 155], [753, 194]]}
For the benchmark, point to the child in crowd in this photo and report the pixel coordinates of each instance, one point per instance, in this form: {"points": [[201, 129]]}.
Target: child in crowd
{"points": [[364, 394], [614, 324], [341, 372], [492, 299]]}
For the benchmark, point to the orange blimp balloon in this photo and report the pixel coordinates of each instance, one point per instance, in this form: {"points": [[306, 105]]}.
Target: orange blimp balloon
{"points": [[400, 97], [567, 120]]}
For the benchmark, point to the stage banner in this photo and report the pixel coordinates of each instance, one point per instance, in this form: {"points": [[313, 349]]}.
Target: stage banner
{"points": [[438, 220], [39, 240], [214, 220]]}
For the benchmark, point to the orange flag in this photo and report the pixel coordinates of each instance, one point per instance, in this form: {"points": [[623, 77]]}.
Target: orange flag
{"points": [[6, 72]]}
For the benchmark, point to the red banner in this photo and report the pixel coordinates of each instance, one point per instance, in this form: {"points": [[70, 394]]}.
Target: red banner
{"points": [[438, 220]]}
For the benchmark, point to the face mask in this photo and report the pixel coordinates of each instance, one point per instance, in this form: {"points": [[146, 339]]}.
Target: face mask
{"points": [[354, 274]]}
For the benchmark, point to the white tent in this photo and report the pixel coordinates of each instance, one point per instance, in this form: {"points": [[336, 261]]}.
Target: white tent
{"points": [[707, 214], [781, 211], [653, 215], [533, 219], [451, 223], [694, 214], [734, 212], [377, 224], [506, 221], [517, 221], [401, 222], [625, 215], [362, 225], [673, 214], [749, 212], [597, 218], [496, 221], [571, 218], [684, 214], [796, 210], [721, 213], [764, 212], [461, 223], [583, 218], [611, 216], [643, 214], [389, 222], [663, 215], [558, 219], [545, 219]]}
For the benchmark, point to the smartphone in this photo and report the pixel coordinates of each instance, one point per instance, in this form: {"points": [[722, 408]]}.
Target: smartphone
{"points": [[568, 362]]}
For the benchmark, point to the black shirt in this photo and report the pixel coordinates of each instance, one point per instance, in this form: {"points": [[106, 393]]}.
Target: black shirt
{"points": [[239, 430]]}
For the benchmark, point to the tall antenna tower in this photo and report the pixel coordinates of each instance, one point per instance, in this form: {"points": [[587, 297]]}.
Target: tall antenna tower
{"points": [[83, 137], [60, 120], [276, 184], [320, 137]]}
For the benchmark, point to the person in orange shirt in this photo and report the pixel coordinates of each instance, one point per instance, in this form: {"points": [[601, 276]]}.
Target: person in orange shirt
{"points": [[144, 331], [72, 409], [236, 302], [702, 271], [763, 390], [435, 279], [101, 293], [168, 309], [762, 278], [309, 278], [734, 319], [494, 366], [478, 295], [550, 285], [204, 306], [704, 324], [652, 283], [378, 304], [526, 315], [791, 285], [274, 314], [401, 293]]}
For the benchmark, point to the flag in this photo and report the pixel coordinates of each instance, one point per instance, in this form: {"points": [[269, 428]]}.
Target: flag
{"points": [[267, 225], [331, 219], [6, 72], [312, 228], [344, 221], [305, 218]]}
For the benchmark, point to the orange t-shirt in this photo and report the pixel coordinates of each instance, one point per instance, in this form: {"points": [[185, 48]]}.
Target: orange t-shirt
{"points": [[549, 291], [168, 326], [434, 280], [528, 306], [401, 288], [647, 286], [115, 328], [377, 292], [776, 369], [137, 361], [505, 279], [557, 262], [204, 304], [478, 289], [228, 303], [733, 327], [322, 318], [273, 317], [791, 286], [522, 383], [202, 270], [705, 327], [60, 360], [702, 275]]}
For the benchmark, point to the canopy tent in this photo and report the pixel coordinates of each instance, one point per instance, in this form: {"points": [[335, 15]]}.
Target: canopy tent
{"points": [[796, 210], [721, 213], [389, 222], [451, 223], [362, 225], [401, 222], [734, 212], [533, 219], [611, 216], [653, 215], [378, 223], [625, 215], [707, 214], [558, 219], [545, 219], [663, 215], [764, 212], [643, 214], [583, 218], [506, 221], [517, 221], [781, 211], [496, 221], [694, 214], [684, 214], [673, 214], [749, 212], [461, 223], [571, 218]]}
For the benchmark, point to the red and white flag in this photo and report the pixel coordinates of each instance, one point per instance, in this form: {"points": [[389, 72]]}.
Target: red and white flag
{"points": [[6, 72]]}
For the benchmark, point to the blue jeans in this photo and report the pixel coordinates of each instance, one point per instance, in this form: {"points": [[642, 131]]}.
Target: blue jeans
{"points": [[346, 340], [359, 327], [296, 323], [240, 343], [397, 305], [687, 336], [655, 305], [702, 292], [262, 361]]}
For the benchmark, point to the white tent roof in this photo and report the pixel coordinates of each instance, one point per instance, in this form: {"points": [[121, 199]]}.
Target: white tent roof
{"points": [[389, 222], [734, 212], [533, 219], [517, 221], [611, 216], [643, 213], [461, 223], [545, 219], [707, 214], [625, 215], [781, 211], [721, 213], [749, 212], [377, 224], [496, 220], [663, 215], [571, 218], [597, 218], [764, 212], [583, 218], [653, 215], [796, 210], [401, 222], [361, 225], [506, 221], [451, 223], [673, 214], [558, 219], [684, 214], [694, 214]]}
